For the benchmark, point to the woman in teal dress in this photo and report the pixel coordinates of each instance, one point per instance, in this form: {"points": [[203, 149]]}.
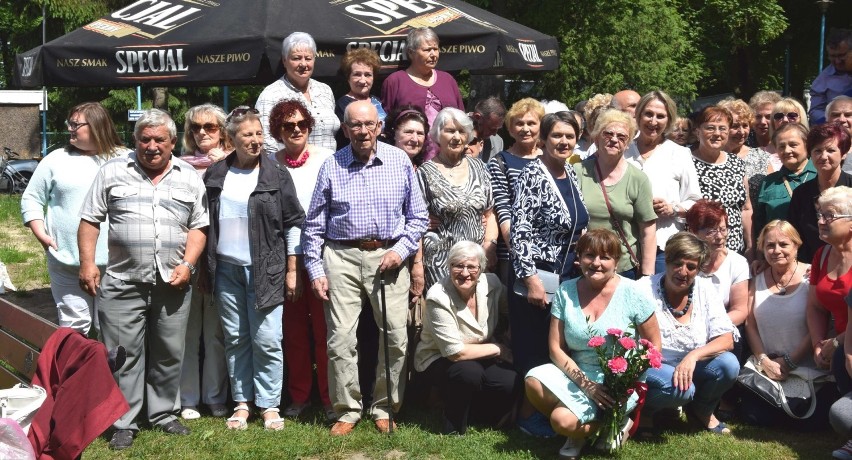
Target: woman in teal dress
{"points": [[569, 389]]}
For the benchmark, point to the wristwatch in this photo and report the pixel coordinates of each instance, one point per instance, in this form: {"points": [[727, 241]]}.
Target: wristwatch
{"points": [[189, 266]]}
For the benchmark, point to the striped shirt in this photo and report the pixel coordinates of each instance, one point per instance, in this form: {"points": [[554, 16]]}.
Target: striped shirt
{"points": [[148, 224], [353, 200]]}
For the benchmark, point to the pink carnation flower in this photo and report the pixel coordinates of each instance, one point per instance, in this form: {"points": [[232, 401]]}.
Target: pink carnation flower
{"points": [[627, 343], [614, 331], [617, 365], [646, 343], [655, 358], [596, 341]]}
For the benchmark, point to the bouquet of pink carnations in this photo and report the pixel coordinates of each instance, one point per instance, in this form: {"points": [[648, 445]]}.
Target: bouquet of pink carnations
{"points": [[623, 360]]}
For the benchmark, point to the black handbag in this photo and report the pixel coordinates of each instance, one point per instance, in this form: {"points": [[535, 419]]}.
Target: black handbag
{"points": [[795, 395]]}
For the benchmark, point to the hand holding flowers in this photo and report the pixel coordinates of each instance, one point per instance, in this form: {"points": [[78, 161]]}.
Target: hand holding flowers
{"points": [[623, 361]]}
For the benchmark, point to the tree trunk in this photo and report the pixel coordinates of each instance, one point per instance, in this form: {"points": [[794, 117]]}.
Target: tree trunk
{"points": [[161, 98]]}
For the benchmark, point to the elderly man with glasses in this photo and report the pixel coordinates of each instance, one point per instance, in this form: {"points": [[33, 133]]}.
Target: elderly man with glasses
{"points": [[366, 217], [835, 79]]}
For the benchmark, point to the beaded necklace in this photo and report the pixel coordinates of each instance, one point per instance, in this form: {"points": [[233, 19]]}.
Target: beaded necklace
{"points": [[673, 310], [303, 158]]}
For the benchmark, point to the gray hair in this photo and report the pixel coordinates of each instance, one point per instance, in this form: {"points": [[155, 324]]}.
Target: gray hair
{"points": [[450, 114], [839, 198], [464, 250], [837, 100], [189, 145], [417, 36], [298, 40], [233, 122], [762, 98], [153, 118]]}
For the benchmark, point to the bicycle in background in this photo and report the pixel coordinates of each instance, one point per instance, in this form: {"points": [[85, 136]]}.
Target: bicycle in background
{"points": [[15, 173]]}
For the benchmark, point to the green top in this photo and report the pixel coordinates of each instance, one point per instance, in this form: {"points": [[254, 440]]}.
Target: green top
{"points": [[631, 201], [773, 199]]}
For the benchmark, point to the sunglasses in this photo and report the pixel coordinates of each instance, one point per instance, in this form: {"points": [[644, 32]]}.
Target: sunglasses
{"points": [[290, 126], [476, 140], [240, 111], [73, 125], [210, 128], [790, 116]]}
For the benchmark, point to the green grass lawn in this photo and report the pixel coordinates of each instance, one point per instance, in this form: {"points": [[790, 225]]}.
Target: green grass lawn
{"points": [[308, 438], [416, 439]]}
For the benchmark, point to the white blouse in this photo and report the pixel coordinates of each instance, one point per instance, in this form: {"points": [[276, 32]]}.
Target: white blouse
{"points": [[708, 320]]}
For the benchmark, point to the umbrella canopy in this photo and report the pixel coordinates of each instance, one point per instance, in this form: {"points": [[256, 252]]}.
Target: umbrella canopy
{"points": [[207, 42]]}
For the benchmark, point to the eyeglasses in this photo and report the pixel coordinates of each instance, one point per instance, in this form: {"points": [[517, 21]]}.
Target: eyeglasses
{"points": [[240, 111], [476, 140], [710, 129], [368, 125], [830, 217], [209, 128], [620, 137], [73, 125], [721, 231], [290, 126], [472, 269], [792, 116]]}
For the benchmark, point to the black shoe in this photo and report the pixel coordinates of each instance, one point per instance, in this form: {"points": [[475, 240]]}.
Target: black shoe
{"points": [[175, 427], [121, 439]]}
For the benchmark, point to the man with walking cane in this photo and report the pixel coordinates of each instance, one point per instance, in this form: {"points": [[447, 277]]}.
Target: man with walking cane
{"points": [[370, 214]]}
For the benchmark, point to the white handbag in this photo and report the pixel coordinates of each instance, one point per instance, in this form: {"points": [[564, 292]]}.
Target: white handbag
{"points": [[20, 403]]}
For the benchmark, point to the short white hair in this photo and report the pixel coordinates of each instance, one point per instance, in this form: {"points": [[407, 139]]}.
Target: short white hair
{"points": [[450, 114], [554, 106], [154, 118], [298, 40], [838, 198], [464, 250]]}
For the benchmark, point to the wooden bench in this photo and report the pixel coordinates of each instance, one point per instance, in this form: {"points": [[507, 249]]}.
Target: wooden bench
{"points": [[22, 336]]}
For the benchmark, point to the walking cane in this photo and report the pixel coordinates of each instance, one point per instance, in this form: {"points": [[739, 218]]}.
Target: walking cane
{"points": [[387, 354]]}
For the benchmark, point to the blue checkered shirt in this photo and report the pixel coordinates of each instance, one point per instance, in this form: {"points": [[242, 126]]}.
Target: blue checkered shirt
{"points": [[353, 200]]}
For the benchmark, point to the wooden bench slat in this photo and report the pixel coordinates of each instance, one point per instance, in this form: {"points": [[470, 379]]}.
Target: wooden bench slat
{"points": [[25, 325], [17, 354], [8, 379]]}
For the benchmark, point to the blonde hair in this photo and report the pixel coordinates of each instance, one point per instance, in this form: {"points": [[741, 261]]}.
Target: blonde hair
{"points": [[788, 104], [593, 108], [739, 109], [784, 227], [523, 107], [610, 116]]}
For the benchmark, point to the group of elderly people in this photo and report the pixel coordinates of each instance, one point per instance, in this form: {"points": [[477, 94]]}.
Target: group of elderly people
{"points": [[516, 261]]}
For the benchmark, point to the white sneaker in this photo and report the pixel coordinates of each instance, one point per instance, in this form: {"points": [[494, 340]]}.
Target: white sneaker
{"points": [[189, 413], [571, 449]]}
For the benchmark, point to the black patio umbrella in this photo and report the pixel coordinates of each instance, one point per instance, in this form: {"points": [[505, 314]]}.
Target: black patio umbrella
{"points": [[209, 42]]}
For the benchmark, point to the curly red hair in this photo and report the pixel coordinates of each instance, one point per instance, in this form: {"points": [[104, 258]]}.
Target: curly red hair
{"points": [[282, 112]]}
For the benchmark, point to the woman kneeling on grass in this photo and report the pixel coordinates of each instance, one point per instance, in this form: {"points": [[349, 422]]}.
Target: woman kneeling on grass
{"points": [[697, 337], [460, 352], [568, 390]]}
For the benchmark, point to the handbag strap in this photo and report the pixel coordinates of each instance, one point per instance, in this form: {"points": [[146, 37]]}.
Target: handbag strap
{"points": [[564, 206], [633, 259], [786, 407]]}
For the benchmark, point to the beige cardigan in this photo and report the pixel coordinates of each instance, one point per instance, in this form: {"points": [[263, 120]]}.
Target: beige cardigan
{"points": [[448, 324]]}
